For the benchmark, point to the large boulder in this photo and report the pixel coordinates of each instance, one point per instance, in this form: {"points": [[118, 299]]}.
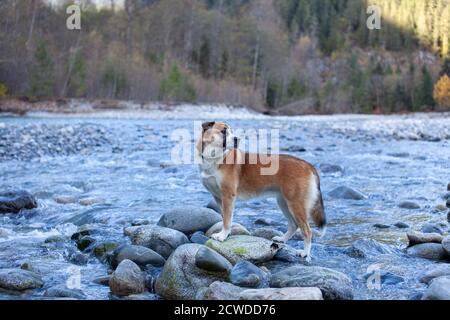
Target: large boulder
{"points": [[181, 278], [432, 251], [19, 280], [415, 237], [249, 248], [13, 201], [439, 271], [160, 239], [236, 229], [189, 219], [140, 255], [346, 193], [334, 284], [127, 279], [439, 289]]}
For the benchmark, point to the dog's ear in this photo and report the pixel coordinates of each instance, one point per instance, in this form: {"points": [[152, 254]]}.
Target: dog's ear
{"points": [[207, 125]]}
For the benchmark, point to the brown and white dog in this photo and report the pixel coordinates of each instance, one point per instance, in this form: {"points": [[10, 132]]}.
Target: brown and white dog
{"points": [[229, 174]]}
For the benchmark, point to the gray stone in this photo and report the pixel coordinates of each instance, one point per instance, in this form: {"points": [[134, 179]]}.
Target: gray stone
{"points": [[214, 206], [409, 205], [431, 228], [104, 281], [346, 193], [265, 222], [246, 274], [65, 199], [12, 201], [266, 233], [61, 291], [415, 237], [381, 226], [438, 271], [219, 290], [189, 219], [364, 248], [249, 248], [140, 255], [330, 168], [160, 239], [199, 238], [140, 222], [181, 278], [439, 289], [127, 279], [446, 245], [236, 229], [401, 225], [432, 251], [287, 254], [19, 280], [333, 284], [209, 260]]}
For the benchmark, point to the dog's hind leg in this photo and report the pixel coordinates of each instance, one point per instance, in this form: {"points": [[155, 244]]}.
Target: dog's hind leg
{"points": [[292, 225], [301, 217]]}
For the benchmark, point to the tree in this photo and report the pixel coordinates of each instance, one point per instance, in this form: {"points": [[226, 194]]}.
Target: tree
{"points": [[424, 91], [441, 92], [42, 74], [177, 86]]}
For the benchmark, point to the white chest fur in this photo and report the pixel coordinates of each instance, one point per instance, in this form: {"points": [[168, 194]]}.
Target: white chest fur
{"points": [[211, 178]]}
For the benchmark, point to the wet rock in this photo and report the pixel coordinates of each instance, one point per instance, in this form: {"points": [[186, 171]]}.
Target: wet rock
{"points": [[265, 222], [236, 229], [333, 284], [431, 228], [140, 222], [330, 168], [432, 251], [90, 201], [85, 242], [385, 277], [160, 239], [219, 290], [189, 219], [381, 226], [19, 280], [365, 248], [249, 248], [246, 274], [346, 193], [102, 249], [79, 258], [210, 260], [266, 233], [104, 281], [401, 225], [448, 217], [12, 201], [438, 271], [439, 208], [61, 291], [415, 237], [140, 297], [199, 238], [181, 278], [127, 279], [448, 203], [448, 187], [439, 289], [213, 206], [140, 255], [65, 199], [56, 239], [287, 254], [399, 155], [85, 230], [446, 245], [409, 205]]}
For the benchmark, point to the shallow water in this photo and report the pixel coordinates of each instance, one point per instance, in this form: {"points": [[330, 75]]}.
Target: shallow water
{"points": [[130, 183]]}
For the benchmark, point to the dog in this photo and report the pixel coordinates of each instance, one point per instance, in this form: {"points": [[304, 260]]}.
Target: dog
{"points": [[230, 174]]}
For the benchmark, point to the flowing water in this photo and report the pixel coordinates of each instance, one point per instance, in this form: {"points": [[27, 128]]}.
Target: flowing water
{"points": [[133, 177]]}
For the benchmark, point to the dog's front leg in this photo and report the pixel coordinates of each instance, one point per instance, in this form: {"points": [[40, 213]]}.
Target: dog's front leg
{"points": [[228, 199]]}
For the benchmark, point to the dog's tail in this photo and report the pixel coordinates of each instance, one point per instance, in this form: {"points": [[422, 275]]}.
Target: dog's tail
{"points": [[318, 211]]}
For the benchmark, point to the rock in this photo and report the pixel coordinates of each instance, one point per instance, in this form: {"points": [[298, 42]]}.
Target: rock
{"points": [[432, 251], [199, 238], [399, 155], [448, 203], [448, 187], [102, 249], [440, 208], [104, 281], [381, 226], [226, 291], [415, 237], [65, 199], [79, 258], [346, 193], [214, 206], [13, 201], [439, 271], [236, 229], [140, 255], [19, 280], [245, 247], [140, 222], [439, 289], [210, 260], [127, 279], [333, 284], [330, 168], [265, 222], [409, 205], [189, 219], [61, 291], [364, 248], [431, 228], [386, 277], [401, 225], [85, 230], [448, 217], [246, 274], [55, 239], [181, 278], [90, 201], [287, 254], [160, 239], [85, 242], [266, 233], [446, 245]]}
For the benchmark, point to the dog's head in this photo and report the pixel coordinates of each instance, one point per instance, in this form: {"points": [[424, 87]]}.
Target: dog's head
{"points": [[215, 139]]}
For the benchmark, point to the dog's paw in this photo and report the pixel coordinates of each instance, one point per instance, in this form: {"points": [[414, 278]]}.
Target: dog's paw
{"points": [[304, 254], [221, 236], [279, 239]]}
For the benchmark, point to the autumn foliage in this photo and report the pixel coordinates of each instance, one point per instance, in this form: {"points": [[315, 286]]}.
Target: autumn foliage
{"points": [[441, 92]]}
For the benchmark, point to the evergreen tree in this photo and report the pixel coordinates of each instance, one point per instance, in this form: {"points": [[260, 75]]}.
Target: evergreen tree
{"points": [[42, 74]]}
